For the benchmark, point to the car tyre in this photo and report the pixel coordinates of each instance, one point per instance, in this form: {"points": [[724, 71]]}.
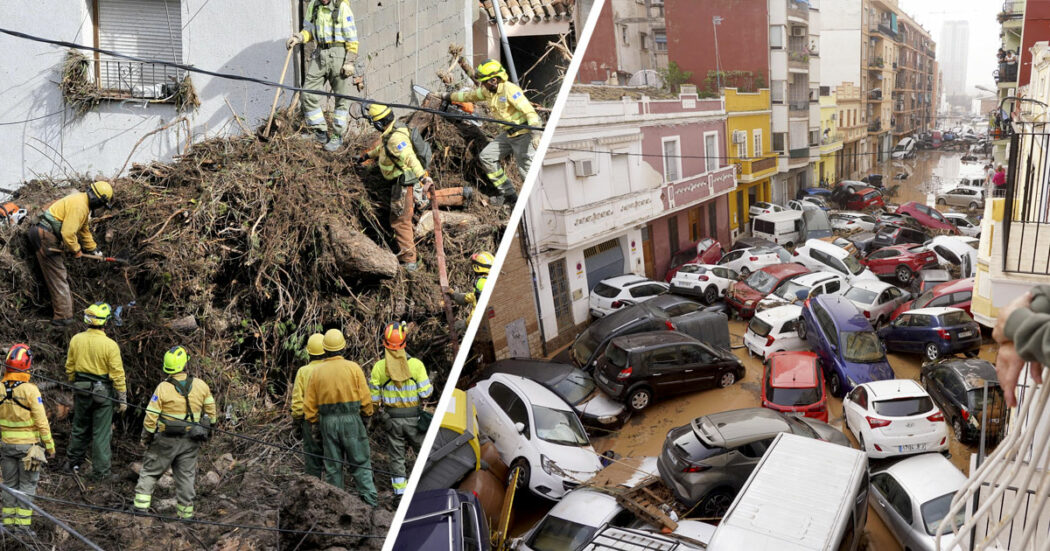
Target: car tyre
{"points": [[715, 503], [932, 352], [973, 205], [835, 385], [522, 466], [802, 328], [957, 429], [639, 399], [727, 379], [710, 294], [903, 274], [942, 202]]}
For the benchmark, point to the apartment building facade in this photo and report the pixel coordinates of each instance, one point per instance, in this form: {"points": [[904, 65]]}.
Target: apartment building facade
{"points": [[831, 142], [629, 45], [913, 96], [748, 123]]}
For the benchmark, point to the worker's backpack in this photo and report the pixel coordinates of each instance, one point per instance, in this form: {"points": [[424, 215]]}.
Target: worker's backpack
{"points": [[199, 431], [10, 387]]}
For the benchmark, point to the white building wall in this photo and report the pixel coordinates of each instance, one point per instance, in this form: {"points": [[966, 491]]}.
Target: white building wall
{"points": [[840, 43]]}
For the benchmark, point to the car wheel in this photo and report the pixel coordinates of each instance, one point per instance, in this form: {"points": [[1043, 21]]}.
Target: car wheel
{"points": [[903, 274], [710, 294], [942, 202], [973, 205], [521, 466], [639, 398], [745, 271], [835, 385], [932, 352], [957, 428], [802, 328], [715, 504], [972, 353], [727, 379]]}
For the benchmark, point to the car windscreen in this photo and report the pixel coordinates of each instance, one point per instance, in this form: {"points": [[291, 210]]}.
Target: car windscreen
{"points": [[934, 511], [788, 291], [559, 426], [585, 345], [862, 296], [575, 387], [816, 220], [693, 447], [975, 400], [791, 396], [692, 269], [903, 407], [955, 318], [923, 300], [759, 326], [605, 291], [615, 355], [852, 264], [558, 534], [862, 347], [761, 282]]}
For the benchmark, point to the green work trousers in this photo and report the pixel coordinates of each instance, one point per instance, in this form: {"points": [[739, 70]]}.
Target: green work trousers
{"points": [[402, 432], [324, 66], [17, 513], [314, 462], [179, 453], [344, 438], [498, 149], [92, 424]]}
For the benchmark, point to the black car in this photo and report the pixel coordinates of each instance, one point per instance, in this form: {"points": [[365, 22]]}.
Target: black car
{"points": [[892, 234], [750, 242], [958, 387], [570, 383], [873, 180], [663, 312], [638, 368], [444, 520]]}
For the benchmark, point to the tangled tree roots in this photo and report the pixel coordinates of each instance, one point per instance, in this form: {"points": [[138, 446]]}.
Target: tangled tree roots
{"points": [[79, 93]]}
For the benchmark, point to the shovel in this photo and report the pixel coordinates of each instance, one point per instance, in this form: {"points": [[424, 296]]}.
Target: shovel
{"points": [[112, 259], [265, 134]]}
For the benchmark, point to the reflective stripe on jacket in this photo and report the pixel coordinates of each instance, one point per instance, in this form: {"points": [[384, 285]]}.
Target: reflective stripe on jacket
{"points": [[19, 425], [167, 403], [400, 395], [92, 352], [302, 378], [395, 152], [328, 28], [336, 382], [507, 104], [73, 213]]}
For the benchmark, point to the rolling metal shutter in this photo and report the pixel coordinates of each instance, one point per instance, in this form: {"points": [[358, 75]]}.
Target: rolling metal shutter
{"points": [[603, 260], [149, 29]]}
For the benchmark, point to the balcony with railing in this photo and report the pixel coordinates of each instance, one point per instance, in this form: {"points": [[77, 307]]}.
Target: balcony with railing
{"points": [[1012, 13], [799, 153], [756, 168], [1026, 214], [830, 142], [875, 126], [1007, 73], [885, 28], [798, 52], [120, 79]]}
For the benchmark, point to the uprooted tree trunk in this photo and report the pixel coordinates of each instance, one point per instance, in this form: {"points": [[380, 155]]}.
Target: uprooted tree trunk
{"points": [[357, 256]]}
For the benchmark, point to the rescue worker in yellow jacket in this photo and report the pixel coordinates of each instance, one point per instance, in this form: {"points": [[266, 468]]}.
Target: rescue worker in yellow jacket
{"points": [[178, 420], [64, 226], [481, 263], [312, 448], [94, 366], [335, 399], [399, 384], [23, 424], [331, 24], [506, 102]]}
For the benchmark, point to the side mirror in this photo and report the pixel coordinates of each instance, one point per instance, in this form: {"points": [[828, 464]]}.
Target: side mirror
{"points": [[520, 427]]}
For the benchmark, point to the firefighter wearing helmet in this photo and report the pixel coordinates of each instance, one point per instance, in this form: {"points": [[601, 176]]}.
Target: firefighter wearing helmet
{"points": [[399, 384], [506, 102], [94, 366], [313, 452], [178, 420], [481, 262], [64, 227], [23, 424]]}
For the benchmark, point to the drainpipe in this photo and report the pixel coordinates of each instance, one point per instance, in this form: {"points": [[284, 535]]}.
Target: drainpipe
{"points": [[496, 5]]}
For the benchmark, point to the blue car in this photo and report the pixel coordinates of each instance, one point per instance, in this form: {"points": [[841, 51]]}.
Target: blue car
{"points": [[849, 349], [821, 192], [444, 520], [933, 332]]}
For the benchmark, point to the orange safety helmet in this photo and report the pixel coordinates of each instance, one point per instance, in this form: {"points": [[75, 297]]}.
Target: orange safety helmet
{"points": [[19, 358], [395, 336]]}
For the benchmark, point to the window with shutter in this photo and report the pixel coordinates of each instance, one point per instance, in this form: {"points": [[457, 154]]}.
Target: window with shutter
{"points": [[148, 29]]}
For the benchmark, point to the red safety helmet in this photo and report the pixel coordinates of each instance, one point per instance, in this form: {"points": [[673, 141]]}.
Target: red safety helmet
{"points": [[19, 358], [395, 336]]}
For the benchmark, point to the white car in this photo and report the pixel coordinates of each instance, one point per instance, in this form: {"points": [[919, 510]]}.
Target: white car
{"points": [[745, 261], [877, 300], [853, 185], [894, 417], [963, 224], [800, 288], [572, 521], [536, 433], [820, 255], [913, 495], [705, 280], [761, 207], [955, 250], [804, 204], [848, 220], [774, 330], [609, 295]]}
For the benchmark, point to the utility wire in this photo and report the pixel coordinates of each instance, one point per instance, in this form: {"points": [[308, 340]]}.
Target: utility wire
{"points": [[722, 157], [228, 76], [24, 498]]}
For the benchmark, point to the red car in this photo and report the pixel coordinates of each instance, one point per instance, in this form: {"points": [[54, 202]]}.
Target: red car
{"points": [[744, 295], [705, 251], [956, 294], [902, 261], [793, 383], [864, 198], [927, 216]]}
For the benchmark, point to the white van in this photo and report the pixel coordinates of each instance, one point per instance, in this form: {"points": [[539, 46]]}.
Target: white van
{"points": [[804, 495], [905, 148], [783, 228]]}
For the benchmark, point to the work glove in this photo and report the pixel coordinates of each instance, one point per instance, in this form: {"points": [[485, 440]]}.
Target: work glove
{"points": [[34, 458], [122, 397], [293, 41], [536, 140], [146, 438], [428, 182], [360, 160], [348, 69]]}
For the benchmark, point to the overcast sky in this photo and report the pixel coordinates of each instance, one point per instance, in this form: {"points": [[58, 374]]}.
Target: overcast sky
{"points": [[984, 32]]}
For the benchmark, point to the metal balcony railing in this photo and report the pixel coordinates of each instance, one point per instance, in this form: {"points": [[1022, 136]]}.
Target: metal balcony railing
{"points": [[1007, 72], [1013, 9], [119, 79], [799, 152], [799, 105], [1026, 217], [875, 126]]}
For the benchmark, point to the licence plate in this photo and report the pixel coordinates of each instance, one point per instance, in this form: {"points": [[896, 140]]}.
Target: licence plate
{"points": [[602, 378], [965, 333], [912, 447]]}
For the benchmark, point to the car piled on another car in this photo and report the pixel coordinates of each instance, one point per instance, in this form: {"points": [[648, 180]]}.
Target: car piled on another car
{"points": [[744, 296], [849, 349]]}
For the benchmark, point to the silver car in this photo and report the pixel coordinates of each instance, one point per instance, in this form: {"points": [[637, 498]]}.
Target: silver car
{"points": [[913, 495], [963, 196], [876, 299]]}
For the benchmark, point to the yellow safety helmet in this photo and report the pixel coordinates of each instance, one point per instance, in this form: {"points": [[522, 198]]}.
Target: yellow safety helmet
{"points": [[175, 360], [97, 314], [395, 336], [315, 345], [101, 194], [333, 340], [482, 262], [491, 68], [380, 115]]}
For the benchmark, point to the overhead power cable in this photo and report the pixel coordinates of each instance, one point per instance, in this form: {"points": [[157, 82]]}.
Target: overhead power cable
{"points": [[290, 88], [721, 157], [26, 500]]}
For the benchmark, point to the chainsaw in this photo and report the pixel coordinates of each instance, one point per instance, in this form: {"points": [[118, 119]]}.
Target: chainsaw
{"points": [[464, 109]]}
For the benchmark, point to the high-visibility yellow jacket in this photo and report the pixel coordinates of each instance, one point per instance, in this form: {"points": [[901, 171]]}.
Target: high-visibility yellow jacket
{"points": [[22, 416], [167, 403], [335, 384], [395, 153], [302, 378], [92, 352], [331, 23], [507, 104], [404, 394], [73, 213]]}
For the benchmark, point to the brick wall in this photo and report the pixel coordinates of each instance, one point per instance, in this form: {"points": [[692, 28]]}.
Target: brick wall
{"points": [[513, 300]]}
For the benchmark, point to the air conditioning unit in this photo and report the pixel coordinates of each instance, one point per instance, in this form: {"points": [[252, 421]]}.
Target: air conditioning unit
{"points": [[585, 167], [739, 136], [798, 31]]}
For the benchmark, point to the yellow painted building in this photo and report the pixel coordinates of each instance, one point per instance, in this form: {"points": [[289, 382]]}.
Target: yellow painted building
{"points": [[748, 123], [830, 141]]}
